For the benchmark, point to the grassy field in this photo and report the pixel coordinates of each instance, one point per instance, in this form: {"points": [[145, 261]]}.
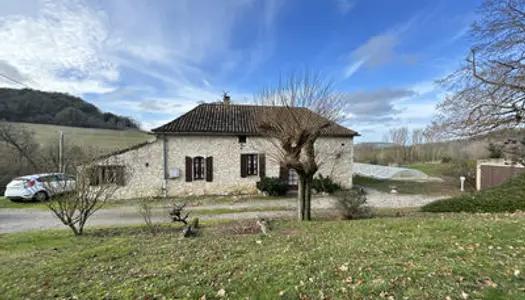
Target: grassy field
{"points": [[437, 257], [103, 139], [409, 187], [450, 186], [434, 170]]}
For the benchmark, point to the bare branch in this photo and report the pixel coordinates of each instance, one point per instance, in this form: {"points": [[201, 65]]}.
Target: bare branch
{"points": [[488, 93]]}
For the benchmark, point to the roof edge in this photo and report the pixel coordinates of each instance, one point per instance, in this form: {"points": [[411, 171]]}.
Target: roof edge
{"points": [[194, 133]]}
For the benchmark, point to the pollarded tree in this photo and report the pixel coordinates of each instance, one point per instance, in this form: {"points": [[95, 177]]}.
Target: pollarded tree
{"points": [[293, 130]]}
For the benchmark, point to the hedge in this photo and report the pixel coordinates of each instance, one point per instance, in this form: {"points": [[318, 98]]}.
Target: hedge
{"points": [[508, 197]]}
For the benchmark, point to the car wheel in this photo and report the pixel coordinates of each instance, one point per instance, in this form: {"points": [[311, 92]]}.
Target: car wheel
{"points": [[41, 196]]}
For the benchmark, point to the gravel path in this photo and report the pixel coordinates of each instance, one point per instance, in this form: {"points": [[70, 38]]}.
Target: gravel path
{"points": [[18, 220]]}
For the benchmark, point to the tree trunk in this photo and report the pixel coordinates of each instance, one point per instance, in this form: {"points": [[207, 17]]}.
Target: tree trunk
{"points": [[308, 198], [301, 198], [75, 231]]}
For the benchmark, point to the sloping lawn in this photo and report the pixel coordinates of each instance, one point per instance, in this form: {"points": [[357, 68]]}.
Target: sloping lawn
{"points": [[421, 257]]}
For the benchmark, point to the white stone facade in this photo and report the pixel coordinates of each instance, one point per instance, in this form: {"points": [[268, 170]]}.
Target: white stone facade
{"points": [[145, 172]]}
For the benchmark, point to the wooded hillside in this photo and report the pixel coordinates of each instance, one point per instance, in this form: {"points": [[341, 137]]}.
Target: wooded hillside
{"points": [[32, 106]]}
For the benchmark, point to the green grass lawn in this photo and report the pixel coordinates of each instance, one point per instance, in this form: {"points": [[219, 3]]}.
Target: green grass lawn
{"points": [[481, 256], [4, 203], [408, 187], [434, 170]]}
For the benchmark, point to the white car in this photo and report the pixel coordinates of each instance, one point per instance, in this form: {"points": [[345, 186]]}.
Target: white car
{"points": [[39, 187]]}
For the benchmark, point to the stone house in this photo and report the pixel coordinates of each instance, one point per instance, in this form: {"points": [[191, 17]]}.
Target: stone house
{"points": [[217, 149]]}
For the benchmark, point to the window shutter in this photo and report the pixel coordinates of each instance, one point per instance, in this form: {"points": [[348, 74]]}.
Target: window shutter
{"points": [[209, 169], [262, 165], [120, 175], [283, 173], [244, 165], [93, 175], [189, 165]]}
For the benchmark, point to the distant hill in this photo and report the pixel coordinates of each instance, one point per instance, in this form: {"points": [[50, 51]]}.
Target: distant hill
{"points": [[32, 106]]}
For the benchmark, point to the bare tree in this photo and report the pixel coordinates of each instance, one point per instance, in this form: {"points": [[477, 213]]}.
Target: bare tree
{"points": [[417, 141], [293, 130], [417, 136], [488, 92], [74, 198], [399, 137]]}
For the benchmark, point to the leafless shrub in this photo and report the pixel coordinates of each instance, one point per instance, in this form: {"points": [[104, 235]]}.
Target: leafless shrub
{"points": [[145, 205], [352, 204]]}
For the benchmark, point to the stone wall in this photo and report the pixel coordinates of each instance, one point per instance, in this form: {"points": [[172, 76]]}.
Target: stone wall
{"points": [[145, 170]]}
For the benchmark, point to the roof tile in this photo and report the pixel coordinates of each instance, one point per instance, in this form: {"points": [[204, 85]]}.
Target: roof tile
{"points": [[236, 120]]}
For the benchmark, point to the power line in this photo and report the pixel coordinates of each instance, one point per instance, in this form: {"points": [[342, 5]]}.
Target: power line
{"points": [[14, 80]]}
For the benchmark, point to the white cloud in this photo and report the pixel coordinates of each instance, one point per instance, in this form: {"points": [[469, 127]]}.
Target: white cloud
{"points": [[344, 6], [149, 125], [381, 49], [355, 67], [80, 46], [416, 110], [59, 49], [377, 51]]}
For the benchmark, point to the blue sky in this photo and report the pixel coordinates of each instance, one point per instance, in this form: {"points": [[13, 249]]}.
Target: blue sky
{"points": [[154, 60]]}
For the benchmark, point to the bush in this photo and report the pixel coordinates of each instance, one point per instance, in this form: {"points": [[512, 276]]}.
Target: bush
{"points": [[508, 197], [352, 204], [465, 168], [325, 184], [274, 186], [145, 205], [446, 159]]}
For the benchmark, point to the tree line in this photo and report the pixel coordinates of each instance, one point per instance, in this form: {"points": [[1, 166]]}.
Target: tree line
{"points": [[404, 146], [32, 106]]}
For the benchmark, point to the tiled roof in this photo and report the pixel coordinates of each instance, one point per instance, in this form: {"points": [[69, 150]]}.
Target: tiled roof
{"points": [[229, 119]]}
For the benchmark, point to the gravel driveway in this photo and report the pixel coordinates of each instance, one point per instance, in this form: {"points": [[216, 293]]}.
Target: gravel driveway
{"points": [[18, 220]]}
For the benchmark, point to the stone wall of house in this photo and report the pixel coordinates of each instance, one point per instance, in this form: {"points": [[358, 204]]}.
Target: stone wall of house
{"points": [[144, 169]]}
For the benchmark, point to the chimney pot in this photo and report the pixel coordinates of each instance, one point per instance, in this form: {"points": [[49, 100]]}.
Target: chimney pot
{"points": [[226, 99]]}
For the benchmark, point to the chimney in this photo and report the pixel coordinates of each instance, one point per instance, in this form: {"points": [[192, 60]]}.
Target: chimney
{"points": [[226, 99]]}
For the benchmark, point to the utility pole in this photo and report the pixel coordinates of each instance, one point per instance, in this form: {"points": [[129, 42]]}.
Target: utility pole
{"points": [[60, 151]]}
